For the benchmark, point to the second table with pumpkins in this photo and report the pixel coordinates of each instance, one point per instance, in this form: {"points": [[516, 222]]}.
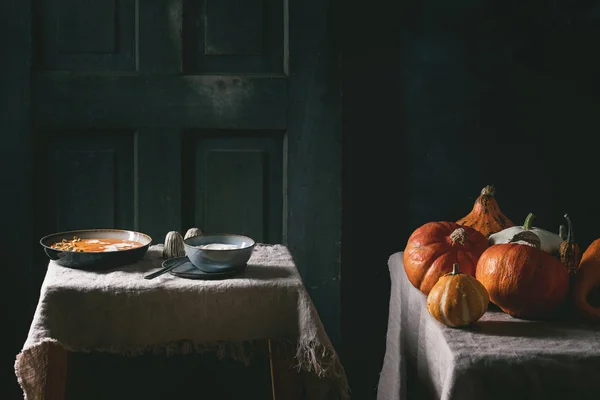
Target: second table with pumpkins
{"points": [[482, 308]]}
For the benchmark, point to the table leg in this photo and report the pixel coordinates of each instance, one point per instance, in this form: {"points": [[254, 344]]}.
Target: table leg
{"points": [[286, 381], [56, 375]]}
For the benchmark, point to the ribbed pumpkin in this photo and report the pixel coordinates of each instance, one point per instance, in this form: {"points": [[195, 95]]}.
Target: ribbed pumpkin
{"points": [[486, 216], [587, 283], [434, 247], [457, 299], [192, 232], [521, 279], [569, 250], [173, 246]]}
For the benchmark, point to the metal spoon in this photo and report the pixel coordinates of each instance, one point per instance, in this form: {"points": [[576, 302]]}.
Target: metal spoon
{"points": [[166, 269]]}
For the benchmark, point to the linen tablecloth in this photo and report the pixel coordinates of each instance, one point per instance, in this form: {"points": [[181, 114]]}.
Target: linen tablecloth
{"points": [[118, 311], [499, 357]]}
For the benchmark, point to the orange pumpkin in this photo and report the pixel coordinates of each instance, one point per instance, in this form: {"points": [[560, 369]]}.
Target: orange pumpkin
{"points": [[457, 299], [486, 216], [434, 247], [587, 283], [523, 280]]}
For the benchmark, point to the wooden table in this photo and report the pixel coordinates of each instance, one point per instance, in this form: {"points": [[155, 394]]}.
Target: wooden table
{"points": [[118, 312]]}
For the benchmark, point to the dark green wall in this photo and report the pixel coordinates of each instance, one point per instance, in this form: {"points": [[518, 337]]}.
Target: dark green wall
{"points": [[439, 99], [442, 98], [15, 196]]}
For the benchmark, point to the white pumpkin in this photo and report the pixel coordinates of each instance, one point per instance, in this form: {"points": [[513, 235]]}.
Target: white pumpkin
{"points": [[549, 241], [192, 232], [173, 246]]}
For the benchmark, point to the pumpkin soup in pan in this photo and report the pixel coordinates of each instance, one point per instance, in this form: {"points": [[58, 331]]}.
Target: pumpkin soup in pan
{"points": [[92, 245]]}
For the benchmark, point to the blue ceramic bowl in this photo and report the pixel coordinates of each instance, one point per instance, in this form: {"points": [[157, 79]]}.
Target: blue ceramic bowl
{"points": [[214, 260], [96, 261]]}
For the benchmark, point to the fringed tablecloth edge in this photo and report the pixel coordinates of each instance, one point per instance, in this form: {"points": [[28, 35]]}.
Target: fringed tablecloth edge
{"points": [[323, 361]]}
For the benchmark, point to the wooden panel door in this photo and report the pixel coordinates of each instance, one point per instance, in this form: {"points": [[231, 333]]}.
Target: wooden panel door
{"points": [[140, 128], [160, 115]]}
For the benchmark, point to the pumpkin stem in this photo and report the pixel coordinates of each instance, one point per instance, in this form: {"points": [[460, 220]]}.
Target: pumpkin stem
{"points": [[527, 236], [459, 235], [455, 270], [528, 224], [562, 232], [489, 190], [570, 234]]}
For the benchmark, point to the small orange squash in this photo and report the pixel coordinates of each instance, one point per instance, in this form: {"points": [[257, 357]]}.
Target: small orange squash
{"points": [[587, 283], [486, 216], [434, 247], [569, 250], [457, 299]]}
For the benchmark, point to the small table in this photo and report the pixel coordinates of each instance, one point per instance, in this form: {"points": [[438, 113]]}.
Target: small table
{"points": [[120, 312], [499, 357]]}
